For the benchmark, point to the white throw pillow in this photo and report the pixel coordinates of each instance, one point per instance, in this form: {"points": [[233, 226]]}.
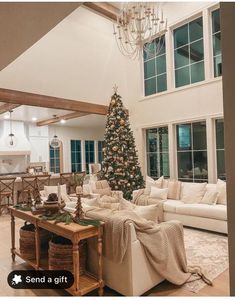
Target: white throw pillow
{"points": [[158, 193], [150, 212], [222, 193], [210, 198], [193, 192], [54, 189], [149, 182], [211, 188], [90, 202]]}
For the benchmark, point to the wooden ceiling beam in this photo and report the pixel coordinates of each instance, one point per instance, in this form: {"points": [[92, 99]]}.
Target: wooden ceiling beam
{"points": [[104, 9], [6, 107], [59, 118], [37, 100]]}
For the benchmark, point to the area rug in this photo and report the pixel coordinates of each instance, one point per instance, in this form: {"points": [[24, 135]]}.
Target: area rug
{"points": [[208, 250]]}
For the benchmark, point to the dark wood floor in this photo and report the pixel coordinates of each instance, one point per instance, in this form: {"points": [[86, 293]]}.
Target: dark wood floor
{"points": [[220, 284]]}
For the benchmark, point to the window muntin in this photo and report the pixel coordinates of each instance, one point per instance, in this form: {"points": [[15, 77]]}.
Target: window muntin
{"points": [[54, 159], [155, 79], [76, 155], [216, 41], [192, 152], [219, 129], [157, 152], [89, 153], [189, 53]]}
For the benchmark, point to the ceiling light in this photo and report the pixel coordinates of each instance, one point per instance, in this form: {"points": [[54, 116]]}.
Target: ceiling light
{"points": [[34, 119], [138, 24], [63, 121]]}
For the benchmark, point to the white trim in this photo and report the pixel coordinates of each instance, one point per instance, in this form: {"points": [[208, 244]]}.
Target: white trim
{"points": [[189, 86]]}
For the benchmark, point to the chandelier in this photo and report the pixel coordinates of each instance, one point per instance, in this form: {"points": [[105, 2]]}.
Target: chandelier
{"points": [[11, 139], [138, 24], [55, 141]]}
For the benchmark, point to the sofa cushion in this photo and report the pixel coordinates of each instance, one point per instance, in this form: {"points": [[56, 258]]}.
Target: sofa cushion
{"points": [[170, 205], [222, 196], [149, 182], [174, 188], [211, 187], [192, 192], [210, 198], [203, 210], [158, 193]]}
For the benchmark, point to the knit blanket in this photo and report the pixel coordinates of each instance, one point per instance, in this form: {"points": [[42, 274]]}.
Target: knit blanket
{"points": [[163, 243]]}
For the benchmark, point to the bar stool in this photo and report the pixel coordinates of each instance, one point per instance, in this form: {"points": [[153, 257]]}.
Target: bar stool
{"points": [[67, 179], [6, 192], [29, 186], [43, 180]]}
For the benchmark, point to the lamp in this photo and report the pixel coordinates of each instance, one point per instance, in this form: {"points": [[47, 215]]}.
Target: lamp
{"points": [[55, 141], [138, 24], [11, 139]]}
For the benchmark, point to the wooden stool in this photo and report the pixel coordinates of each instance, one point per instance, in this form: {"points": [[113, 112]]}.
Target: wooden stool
{"points": [[29, 186], [6, 192], [67, 178], [42, 181]]}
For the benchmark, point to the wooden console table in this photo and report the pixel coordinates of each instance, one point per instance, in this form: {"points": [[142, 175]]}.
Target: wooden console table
{"points": [[74, 232]]}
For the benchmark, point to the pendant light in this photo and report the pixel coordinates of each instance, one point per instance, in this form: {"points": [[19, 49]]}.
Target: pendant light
{"points": [[11, 139], [55, 141]]}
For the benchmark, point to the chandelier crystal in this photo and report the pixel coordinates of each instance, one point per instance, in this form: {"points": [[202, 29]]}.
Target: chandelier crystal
{"points": [[138, 24]]}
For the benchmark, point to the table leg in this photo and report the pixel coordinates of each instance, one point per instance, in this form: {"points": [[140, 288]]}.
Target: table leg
{"points": [[13, 237], [38, 246], [76, 265], [100, 265]]}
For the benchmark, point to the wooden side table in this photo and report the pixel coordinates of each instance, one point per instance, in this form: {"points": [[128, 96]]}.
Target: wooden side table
{"points": [[74, 232]]}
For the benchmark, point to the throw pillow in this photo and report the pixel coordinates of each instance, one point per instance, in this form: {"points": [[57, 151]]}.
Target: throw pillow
{"points": [[54, 189], [174, 188], [193, 192], [113, 206], [91, 202], [103, 191], [210, 198], [159, 193], [150, 212], [222, 193], [149, 182], [108, 199]]}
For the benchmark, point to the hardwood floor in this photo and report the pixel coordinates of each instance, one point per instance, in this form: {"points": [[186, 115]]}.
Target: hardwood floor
{"points": [[220, 284]]}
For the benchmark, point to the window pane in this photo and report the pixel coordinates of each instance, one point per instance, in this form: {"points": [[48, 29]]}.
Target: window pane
{"points": [[161, 83], [217, 66], [219, 134], [182, 77], [197, 72], [216, 20], [184, 137], [181, 56], [151, 140], [216, 44], [200, 165], [161, 64], [163, 139], [185, 165], [149, 68], [195, 30], [161, 46], [150, 86], [150, 51], [72, 145], [221, 165], [196, 51], [164, 163], [152, 165], [181, 36], [199, 136]]}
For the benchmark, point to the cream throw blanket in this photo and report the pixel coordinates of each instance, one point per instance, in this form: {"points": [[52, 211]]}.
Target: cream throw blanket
{"points": [[163, 243]]}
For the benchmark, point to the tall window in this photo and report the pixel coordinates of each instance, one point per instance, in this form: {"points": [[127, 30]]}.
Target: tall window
{"points": [[90, 153], [216, 38], [55, 160], [189, 53], [155, 68], [100, 151], [219, 126], [76, 155], [192, 152], [157, 152]]}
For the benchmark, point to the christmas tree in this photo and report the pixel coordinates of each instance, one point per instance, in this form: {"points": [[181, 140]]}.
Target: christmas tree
{"points": [[120, 164]]}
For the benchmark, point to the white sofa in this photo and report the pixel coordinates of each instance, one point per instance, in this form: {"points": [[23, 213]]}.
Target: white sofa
{"points": [[130, 278], [202, 216]]}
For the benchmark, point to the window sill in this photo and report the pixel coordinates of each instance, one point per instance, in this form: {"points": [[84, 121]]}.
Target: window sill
{"points": [[202, 83]]}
